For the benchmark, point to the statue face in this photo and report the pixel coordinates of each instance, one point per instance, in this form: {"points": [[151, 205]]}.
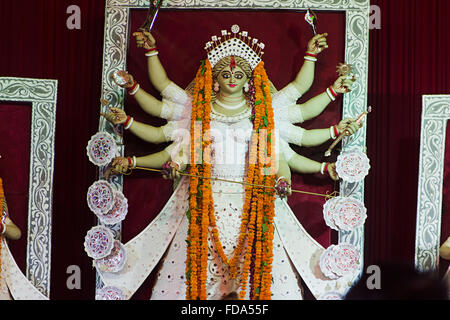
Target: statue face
{"points": [[232, 79]]}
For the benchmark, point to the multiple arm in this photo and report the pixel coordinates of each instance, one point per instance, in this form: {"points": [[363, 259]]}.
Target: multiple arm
{"points": [[305, 77]]}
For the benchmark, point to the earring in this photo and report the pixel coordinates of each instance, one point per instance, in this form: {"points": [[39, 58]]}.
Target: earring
{"points": [[246, 87], [216, 87]]}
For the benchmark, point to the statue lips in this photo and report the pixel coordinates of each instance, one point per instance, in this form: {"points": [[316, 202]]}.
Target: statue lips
{"points": [[232, 85]]}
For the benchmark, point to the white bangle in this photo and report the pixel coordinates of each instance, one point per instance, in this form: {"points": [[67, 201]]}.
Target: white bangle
{"points": [[129, 124], [151, 54], [135, 90], [133, 165], [278, 180], [330, 95], [4, 228], [332, 133], [322, 167], [310, 59]]}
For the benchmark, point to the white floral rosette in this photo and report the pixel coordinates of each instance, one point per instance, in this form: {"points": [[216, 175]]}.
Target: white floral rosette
{"points": [[325, 263], [349, 214], [115, 261], [118, 212], [339, 260], [330, 296], [110, 293], [98, 242], [352, 166], [329, 212], [101, 149], [100, 197]]}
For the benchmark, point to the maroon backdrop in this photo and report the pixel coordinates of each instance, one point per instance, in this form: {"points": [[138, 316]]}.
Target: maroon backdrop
{"points": [[408, 58]]}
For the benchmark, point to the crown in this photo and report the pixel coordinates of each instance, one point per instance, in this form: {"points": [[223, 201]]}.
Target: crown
{"points": [[234, 44]]}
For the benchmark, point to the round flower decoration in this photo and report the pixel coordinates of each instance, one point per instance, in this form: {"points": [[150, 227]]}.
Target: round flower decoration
{"points": [[352, 166], [98, 242], [101, 149], [115, 261], [339, 260], [110, 293], [100, 197], [350, 214], [344, 213], [118, 212]]}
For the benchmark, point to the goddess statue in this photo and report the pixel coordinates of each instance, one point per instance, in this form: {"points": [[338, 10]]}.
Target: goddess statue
{"points": [[221, 233]]}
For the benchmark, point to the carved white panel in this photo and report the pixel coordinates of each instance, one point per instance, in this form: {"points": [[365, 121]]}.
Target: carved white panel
{"points": [[42, 95], [435, 115]]}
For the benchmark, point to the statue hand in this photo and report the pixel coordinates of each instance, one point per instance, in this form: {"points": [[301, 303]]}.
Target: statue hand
{"points": [[116, 116], [349, 125], [120, 164], [125, 76], [317, 44], [144, 39], [332, 171], [170, 170], [283, 187], [343, 84]]}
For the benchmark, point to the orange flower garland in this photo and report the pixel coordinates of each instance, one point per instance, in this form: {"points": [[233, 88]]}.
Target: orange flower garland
{"points": [[256, 228]]}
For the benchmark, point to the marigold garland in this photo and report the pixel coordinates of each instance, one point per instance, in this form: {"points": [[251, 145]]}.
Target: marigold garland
{"points": [[256, 230]]}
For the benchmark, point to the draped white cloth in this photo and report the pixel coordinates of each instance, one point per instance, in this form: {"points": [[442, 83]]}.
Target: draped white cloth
{"points": [[13, 283]]}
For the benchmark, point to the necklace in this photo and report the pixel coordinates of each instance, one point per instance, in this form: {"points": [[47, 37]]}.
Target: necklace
{"points": [[228, 107]]}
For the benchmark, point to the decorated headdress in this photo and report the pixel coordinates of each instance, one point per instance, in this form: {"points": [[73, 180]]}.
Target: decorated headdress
{"points": [[235, 44]]}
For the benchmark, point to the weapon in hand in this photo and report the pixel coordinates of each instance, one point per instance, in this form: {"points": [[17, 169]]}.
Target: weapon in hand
{"points": [[311, 18], [346, 133], [151, 15]]}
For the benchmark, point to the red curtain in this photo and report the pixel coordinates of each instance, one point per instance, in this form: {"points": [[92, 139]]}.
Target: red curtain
{"points": [[36, 43], [408, 58]]}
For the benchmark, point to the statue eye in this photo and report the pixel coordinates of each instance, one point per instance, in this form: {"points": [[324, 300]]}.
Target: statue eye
{"points": [[226, 75], [239, 76]]}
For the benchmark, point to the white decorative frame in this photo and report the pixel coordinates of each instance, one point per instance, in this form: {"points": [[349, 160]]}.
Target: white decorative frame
{"points": [[42, 95], [435, 114], [356, 53]]}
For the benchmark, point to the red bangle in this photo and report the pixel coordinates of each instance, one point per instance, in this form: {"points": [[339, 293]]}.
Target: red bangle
{"points": [[133, 86], [150, 50], [129, 162], [126, 121], [336, 131], [332, 92], [311, 55], [325, 169]]}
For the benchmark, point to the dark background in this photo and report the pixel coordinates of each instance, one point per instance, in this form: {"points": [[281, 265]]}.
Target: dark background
{"points": [[408, 58]]}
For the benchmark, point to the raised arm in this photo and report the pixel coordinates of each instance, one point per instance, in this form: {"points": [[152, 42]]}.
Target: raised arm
{"points": [[315, 106], [144, 131], [316, 137], [305, 76], [156, 71], [146, 101], [302, 164]]}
